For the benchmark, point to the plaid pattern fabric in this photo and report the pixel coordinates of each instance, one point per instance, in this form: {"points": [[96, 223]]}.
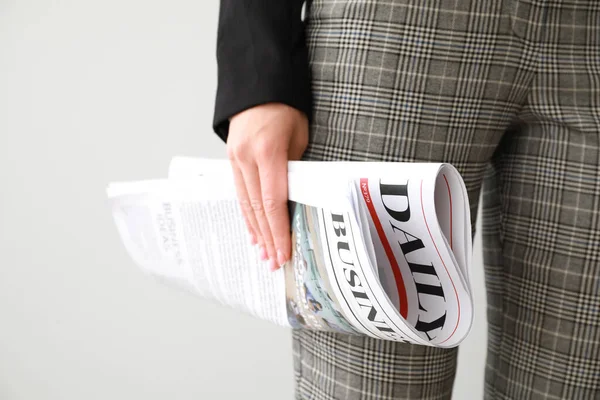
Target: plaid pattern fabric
{"points": [[509, 92]]}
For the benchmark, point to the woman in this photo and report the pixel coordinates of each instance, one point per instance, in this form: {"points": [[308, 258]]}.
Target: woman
{"points": [[508, 91]]}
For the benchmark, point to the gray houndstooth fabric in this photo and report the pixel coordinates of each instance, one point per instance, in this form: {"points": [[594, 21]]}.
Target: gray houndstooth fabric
{"points": [[508, 92]]}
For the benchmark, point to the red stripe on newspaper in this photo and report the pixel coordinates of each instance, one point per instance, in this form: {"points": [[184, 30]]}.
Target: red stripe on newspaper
{"points": [[364, 185], [449, 277], [450, 196]]}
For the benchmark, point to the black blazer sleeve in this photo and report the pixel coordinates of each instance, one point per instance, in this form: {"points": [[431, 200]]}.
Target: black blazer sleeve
{"points": [[261, 57]]}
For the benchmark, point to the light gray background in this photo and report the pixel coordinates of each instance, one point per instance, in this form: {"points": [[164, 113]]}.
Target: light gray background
{"points": [[95, 91]]}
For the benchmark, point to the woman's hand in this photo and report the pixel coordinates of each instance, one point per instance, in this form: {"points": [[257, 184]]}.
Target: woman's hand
{"points": [[261, 141]]}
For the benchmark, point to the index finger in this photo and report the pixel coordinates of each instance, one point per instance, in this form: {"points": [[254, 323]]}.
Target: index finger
{"points": [[274, 185]]}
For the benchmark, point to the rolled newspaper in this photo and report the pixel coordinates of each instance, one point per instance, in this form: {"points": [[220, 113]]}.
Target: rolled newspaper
{"points": [[379, 249]]}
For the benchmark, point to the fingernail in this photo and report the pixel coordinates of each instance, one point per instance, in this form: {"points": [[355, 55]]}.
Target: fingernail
{"points": [[263, 253], [272, 265], [253, 239], [280, 258]]}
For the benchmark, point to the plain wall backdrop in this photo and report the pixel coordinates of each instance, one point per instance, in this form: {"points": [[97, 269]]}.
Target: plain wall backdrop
{"points": [[98, 91]]}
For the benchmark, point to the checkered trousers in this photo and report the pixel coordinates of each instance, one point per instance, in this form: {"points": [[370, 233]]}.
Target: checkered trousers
{"points": [[509, 92]]}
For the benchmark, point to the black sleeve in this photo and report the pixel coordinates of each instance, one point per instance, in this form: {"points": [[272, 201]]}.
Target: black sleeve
{"points": [[261, 57]]}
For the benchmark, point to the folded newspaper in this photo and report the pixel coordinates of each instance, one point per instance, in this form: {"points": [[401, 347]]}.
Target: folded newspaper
{"points": [[379, 249]]}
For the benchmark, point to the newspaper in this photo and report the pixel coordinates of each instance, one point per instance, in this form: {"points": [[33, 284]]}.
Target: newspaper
{"points": [[378, 249]]}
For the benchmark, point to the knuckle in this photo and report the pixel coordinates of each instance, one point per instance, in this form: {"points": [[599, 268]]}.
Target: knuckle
{"points": [[268, 243], [264, 149], [245, 206], [230, 152], [271, 206], [239, 153], [256, 206]]}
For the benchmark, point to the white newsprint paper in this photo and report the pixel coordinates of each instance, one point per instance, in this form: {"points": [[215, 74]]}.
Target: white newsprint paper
{"points": [[379, 249]]}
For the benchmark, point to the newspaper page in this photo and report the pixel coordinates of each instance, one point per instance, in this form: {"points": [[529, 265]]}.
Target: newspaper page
{"points": [[418, 229], [310, 299], [193, 235]]}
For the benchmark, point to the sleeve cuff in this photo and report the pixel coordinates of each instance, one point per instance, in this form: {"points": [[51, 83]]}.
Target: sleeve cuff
{"points": [[292, 89]]}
